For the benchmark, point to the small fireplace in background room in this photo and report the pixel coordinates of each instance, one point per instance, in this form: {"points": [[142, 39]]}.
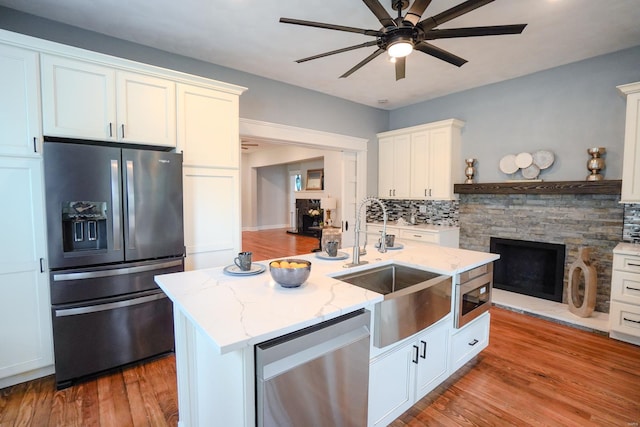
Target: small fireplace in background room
{"points": [[530, 268]]}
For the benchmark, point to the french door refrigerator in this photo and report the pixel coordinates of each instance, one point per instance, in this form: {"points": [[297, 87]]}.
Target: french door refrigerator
{"points": [[114, 221]]}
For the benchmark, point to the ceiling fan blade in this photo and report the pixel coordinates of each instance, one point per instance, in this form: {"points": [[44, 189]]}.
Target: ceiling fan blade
{"points": [[362, 63], [496, 30], [333, 52], [451, 13], [373, 33], [436, 52], [416, 10], [381, 13], [400, 67]]}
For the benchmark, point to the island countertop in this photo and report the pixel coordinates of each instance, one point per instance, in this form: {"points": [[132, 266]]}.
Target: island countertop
{"points": [[239, 311]]}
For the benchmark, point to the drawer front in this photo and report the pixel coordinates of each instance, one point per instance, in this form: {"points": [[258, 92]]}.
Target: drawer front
{"points": [[424, 237], [469, 341], [625, 287], [625, 318], [627, 263]]}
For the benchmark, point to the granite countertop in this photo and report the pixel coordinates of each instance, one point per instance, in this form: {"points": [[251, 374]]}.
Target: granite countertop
{"points": [[239, 311], [626, 248]]}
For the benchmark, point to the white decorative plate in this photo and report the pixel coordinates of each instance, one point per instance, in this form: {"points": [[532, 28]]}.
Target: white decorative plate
{"points": [[524, 160], [543, 158], [234, 270], [508, 164], [531, 172]]}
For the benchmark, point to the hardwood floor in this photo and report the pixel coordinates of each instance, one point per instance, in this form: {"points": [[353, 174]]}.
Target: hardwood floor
{"points": [[276, 243], [534, 373]]}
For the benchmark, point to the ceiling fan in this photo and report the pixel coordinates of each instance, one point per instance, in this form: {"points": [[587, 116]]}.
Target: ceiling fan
{"points": [[402, 35]]}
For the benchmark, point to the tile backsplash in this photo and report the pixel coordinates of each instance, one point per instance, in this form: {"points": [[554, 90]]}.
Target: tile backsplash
{"points": [[438, 212], [631, 226]]}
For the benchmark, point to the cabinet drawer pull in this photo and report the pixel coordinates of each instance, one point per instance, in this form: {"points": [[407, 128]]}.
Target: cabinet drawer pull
{"points": [[474, 342], [417, 235], [415, 354], [632, 289], [633, 264], [627, 320]]}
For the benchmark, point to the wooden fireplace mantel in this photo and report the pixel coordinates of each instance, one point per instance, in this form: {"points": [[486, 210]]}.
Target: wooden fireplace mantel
{"points": [[612, 186]]}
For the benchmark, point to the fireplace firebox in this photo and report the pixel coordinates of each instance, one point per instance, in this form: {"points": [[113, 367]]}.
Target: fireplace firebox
{"points": [[530, 268]]}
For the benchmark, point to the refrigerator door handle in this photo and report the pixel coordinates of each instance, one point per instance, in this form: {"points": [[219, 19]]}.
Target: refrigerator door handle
{"points": [[115, 203], [131, 205]]}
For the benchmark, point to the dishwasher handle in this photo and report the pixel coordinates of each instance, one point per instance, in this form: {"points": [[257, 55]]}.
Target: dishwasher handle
{"points": [[282, 354]]}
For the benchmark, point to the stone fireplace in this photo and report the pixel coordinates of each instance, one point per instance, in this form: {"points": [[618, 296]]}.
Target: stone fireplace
{"points": [[573, 214]]}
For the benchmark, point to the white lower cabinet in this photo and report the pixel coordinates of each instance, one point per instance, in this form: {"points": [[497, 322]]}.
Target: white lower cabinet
{"points": [[469, 340], [26, 349], [403, 375], [431, 235], [624, 316]]}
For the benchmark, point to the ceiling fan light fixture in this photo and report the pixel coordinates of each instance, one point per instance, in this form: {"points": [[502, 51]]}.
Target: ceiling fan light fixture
{"points": [[400, 49]]}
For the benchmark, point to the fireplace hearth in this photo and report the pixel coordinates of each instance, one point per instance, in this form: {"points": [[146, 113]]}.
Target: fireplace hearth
{"points": [[529, 268]]}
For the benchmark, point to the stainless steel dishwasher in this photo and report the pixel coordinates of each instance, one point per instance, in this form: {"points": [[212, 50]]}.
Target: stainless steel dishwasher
{"points": [[318, 376]]}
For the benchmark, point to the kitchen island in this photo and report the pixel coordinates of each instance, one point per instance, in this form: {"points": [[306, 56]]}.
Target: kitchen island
{"points": [[219, 319]]}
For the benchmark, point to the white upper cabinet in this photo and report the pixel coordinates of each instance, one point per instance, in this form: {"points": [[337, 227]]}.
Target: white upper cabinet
{"points": [[631, 159], [208, 127], [146, 109], [91, 101], [393, 172], [78, 99], [426, 162], [19, 102]]}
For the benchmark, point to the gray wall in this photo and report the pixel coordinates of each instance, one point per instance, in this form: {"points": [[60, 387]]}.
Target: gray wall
{"points": [[266, 100], [271, 191], [565, 109]]}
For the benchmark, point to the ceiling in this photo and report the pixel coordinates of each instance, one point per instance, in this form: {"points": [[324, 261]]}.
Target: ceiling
{"points": [[246, 35]]}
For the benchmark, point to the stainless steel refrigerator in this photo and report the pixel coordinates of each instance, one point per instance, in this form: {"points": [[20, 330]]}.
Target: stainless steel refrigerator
{"points": [[114, 221]]}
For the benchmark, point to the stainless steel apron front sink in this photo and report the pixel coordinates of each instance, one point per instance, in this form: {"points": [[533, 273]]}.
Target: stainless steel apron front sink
{"points": [[414, 299]]}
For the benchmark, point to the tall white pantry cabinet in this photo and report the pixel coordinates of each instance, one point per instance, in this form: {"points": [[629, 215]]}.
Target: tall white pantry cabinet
{"points": [[91, 96], [26, 349]]}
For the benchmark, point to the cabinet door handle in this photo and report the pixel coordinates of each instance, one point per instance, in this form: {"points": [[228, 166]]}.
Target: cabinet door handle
{"points": [[389, 192], [625, 319], [474, 342], [110, 130], [41, 265], [425, 192], [429, 192], [122, 130], [35, 145], [415, 354], [632, 289], [424, 349]]}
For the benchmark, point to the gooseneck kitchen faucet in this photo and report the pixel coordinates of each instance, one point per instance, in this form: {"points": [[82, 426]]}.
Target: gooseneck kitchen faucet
{"points": [[383, 239]]}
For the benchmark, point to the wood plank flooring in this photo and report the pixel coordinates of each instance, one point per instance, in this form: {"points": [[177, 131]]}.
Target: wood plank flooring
{"points": [[534, 373]]}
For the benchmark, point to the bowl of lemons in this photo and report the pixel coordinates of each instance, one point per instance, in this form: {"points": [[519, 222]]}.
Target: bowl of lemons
{"points": [[290, 273]]}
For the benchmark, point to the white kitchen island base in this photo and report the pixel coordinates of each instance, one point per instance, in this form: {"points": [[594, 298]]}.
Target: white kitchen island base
{"points": [[213, 388], [219, 319]]}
